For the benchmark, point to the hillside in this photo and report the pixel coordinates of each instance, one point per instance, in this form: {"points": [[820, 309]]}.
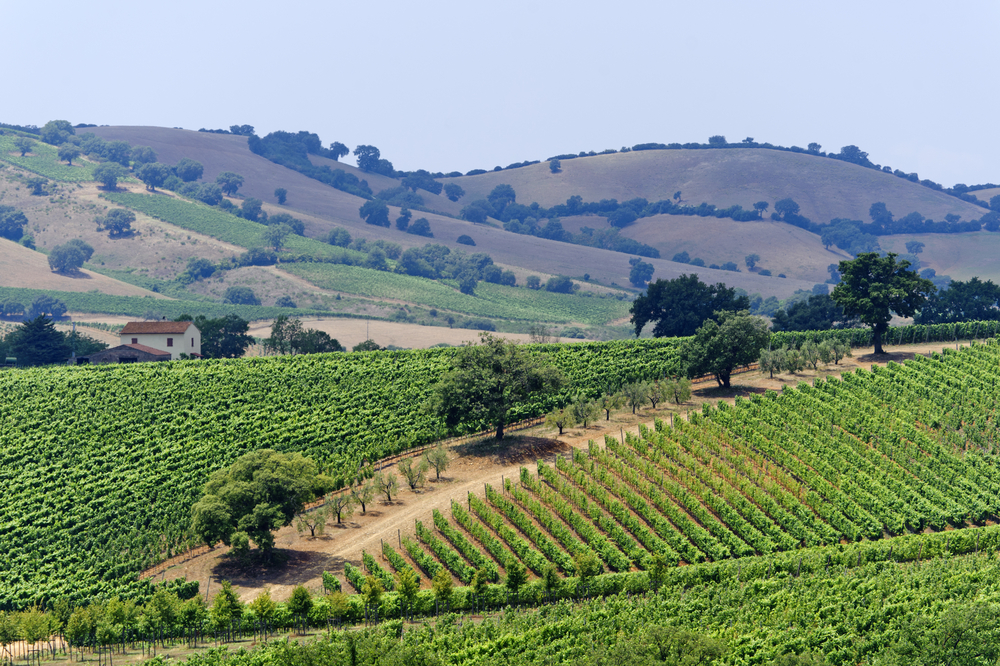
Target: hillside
{"points": [[824, 188]]}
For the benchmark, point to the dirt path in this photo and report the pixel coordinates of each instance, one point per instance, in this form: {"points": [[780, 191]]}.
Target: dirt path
{"points": [[473, 464]]}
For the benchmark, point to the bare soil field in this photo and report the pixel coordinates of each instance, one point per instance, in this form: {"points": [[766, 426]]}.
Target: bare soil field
{"points": [[473, 463], [824, 188]]}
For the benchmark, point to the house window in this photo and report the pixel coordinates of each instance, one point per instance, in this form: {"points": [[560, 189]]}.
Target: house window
{"points": [[135, 341], [170, 342]]}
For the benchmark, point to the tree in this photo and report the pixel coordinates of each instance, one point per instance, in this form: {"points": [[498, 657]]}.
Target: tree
{"points": [[560, 418], [224, 337], [517, 575], [45, 305], [12, 223], [341, 505], [363, 492], [108, 174], [367, 345], [786, 207], [263, 606], [914, 247], [486, 381], [533, 282], [386, 483], [251, 208], [443, 587], [584, 411], [23, 144], [819, 313], [438, 459], [677, 389], [338, 150], [229, 182], [36, 184], [57, 132], [414, 470], [610, 402], [761, 208], [555, 166], [403, 220], [477, 211], [66, 258], [770, 362], [281, 194], [143, 155], [153, 175], [407, 585], [751, 261], [719, 346], [453, 191], [681, 305], [973, 300], [275, 235], [421, 227], [118, 223], [314, 521], [874, 288], [367, 157], [261, 492], [814, 147], [227, 607], [560, 284], [37, 342], [717, 140], [68, 152], [189, 170], [641, 272], [635, 394], [240, 296], [375, 212], [500, 197]]}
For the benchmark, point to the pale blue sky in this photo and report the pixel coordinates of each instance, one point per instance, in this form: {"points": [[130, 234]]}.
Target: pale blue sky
{"points": [[448, 85]]}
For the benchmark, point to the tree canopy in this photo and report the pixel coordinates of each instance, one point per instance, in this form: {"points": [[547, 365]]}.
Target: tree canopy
{"points": [[487, 380], [229, 182], [679, 306], [37, 342], [874, 288], [974, 300], [819, 313], [12, 222], [260, 493], [224, 337], [108, 174], [722, 344]]}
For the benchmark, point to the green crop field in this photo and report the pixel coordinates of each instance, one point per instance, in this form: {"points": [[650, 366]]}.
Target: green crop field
{"points": [[100, 465], [490, 300], [222, 225], [890, 451], [44, 161]]}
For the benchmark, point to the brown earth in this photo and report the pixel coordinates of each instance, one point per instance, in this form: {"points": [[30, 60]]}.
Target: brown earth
{"points": [[473, 464]]}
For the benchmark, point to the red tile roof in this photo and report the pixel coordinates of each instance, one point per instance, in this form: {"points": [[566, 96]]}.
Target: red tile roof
{"points": [[148, 350], [134, 327]]}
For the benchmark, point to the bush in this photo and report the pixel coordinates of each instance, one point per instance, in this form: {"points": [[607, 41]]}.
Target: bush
{"points": [[240, 296], [561, 285], [465, 239]]}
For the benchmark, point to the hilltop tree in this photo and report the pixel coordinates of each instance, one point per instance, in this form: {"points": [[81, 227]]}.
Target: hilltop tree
{"points": [[487, 380], [229, 182], [681, 305], [786, 207], [68, 152], [874, 288], [338, 150], [108, 174], [57, 132], [261, 492], [761, 208]]}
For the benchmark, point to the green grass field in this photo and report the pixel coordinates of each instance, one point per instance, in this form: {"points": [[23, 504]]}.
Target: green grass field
{"points": [[490, 300]]}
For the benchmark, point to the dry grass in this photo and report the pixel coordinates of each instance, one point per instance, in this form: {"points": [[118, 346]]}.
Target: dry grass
{"points": [[986, 195], [961, 256], [824, 188]]}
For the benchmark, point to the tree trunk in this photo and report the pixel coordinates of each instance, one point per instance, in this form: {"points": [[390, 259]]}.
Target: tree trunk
{"points": [[877, 339], [724, 377], [500, 431]]}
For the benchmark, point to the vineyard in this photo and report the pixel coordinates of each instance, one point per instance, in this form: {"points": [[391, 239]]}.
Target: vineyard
{"points": [[224, 226], [100, 465], [490, 300], [891, 451], [44, 161]]}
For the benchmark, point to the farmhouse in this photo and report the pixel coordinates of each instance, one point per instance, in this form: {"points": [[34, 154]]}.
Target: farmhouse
{"points": [[127, 354], [174, 337]]}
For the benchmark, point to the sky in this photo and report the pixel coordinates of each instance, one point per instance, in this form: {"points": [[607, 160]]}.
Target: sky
{"points": [[457, 85]]}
